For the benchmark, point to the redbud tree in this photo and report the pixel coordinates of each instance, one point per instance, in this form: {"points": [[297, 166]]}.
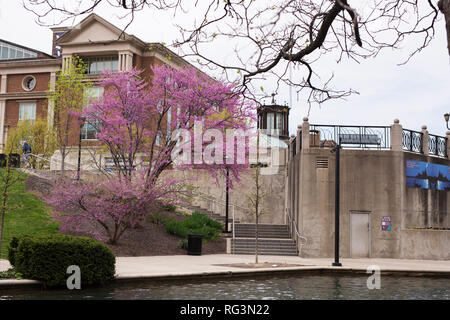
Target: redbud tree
{"points": [[147, 127]]}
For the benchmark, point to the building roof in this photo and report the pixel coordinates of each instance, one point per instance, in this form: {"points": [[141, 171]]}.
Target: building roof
{"points": [[37, 54], [71, 33]]}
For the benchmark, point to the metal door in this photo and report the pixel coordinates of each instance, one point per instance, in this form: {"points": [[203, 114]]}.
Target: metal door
{"points": [[359, 235]]}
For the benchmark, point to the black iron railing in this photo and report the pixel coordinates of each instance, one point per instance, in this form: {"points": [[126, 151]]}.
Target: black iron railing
{"points": [[371, 137], [368, 137], [294, 146], [437, 145], [412, 141]]}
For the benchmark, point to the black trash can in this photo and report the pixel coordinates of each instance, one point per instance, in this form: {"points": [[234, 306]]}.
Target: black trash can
{"points": [[195, 244]]}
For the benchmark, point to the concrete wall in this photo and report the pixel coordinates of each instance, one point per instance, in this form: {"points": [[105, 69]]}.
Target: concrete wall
{"points": [[373, 182], [273, 186], [425, 244]]}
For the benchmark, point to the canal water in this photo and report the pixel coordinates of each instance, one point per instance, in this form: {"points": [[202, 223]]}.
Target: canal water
{"points": [[292, 287]]}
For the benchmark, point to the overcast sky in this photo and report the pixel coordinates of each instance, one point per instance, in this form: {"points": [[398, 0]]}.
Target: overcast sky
{"points": [[417, 93]]}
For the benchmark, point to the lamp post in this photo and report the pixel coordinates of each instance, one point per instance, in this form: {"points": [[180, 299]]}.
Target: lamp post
{"points": [[446, 117], [336, 262], [79, 148], [227, 190]]}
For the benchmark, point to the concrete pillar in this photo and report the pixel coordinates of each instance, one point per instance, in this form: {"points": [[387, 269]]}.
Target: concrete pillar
{"points": [[125, 60], [129, 63], [425, 141], [448, 144], [305, 133], [2, 124], [65, 62], [3, 83], [396, 136], [120, 62], [298, 139], [51, 107]]}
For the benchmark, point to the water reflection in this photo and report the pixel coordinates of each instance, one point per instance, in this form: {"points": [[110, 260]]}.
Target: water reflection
{"points": [[310, 287]]}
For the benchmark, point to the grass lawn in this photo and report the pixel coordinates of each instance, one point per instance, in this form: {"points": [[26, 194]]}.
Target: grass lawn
{"points": [[26, 214]]}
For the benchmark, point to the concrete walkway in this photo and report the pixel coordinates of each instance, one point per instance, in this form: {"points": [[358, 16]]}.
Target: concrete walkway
{"points": [[216, 264]]}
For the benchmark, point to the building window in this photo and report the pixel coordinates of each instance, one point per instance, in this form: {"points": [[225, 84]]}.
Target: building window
{"points": [[91, 127], [8, 51], [27, 111], [89, 130], [96, 65], [270, 121], [280, 122], [28, 83]]}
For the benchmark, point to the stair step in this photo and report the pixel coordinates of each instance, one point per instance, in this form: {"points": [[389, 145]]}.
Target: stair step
{"points": [[267, 253], [253, 234], [265, 247], [277, 227]]}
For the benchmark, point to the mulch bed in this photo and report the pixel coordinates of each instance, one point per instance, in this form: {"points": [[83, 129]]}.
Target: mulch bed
{"points": [[152, 240], [149, 239]]}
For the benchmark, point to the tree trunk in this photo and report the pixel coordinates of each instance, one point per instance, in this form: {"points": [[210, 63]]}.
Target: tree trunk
{"points": [[1, 228], [4, 199], [444, 6]]}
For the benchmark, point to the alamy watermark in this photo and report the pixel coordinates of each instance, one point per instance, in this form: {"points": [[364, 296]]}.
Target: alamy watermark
{"points": [[374, 280], [74, 280], [232, 147]]}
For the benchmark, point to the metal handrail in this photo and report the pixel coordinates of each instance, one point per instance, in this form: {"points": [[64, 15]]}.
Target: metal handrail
{"points": [[211, 198], [292, 222], [50, 160]]}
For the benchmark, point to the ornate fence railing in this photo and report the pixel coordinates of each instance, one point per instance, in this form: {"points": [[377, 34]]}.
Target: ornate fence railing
{"points": [[437, 145], [412, 141], [373, 137], [366, 137]]}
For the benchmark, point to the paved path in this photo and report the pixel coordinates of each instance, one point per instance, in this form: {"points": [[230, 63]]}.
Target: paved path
{"points": [[185, 265]]}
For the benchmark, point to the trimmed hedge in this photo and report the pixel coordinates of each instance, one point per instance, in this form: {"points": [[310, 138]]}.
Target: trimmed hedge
{"points": [[197, 223], [46, 258]]}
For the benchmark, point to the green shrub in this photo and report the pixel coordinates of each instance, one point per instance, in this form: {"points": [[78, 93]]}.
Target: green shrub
{"points": [[169, 207], [183, 244], [157, 218], [10, 274], [46, 258], [12, 250], [197, 223]]}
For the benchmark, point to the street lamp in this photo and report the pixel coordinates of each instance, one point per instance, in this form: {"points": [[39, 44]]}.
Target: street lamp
{"points": [[227, 189], [79, 147], [336, 262], [227, 193], [446, 117]]}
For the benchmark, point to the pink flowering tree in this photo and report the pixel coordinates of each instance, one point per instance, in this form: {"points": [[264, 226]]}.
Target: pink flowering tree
{"points": [[181, 120]]}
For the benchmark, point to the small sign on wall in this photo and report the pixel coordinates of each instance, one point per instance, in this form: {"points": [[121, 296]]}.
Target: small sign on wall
{"points": [[386, 223]]}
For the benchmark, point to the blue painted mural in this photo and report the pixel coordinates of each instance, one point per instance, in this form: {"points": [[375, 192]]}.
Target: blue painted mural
{"points": [[427, 175]]}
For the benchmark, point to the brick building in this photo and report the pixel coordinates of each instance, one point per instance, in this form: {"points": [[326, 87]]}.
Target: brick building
{"points": [[26, 74]]}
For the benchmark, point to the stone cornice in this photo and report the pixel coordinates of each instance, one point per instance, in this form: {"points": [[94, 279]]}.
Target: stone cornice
{"points": [[30, 62], [23, 95], [30, 66]]}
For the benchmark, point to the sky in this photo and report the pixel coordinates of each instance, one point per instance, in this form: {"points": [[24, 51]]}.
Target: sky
{"points": [[417, 93]]}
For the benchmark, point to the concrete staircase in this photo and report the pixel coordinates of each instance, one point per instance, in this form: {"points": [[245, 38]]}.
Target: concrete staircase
{"points": [[272, 240]]}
